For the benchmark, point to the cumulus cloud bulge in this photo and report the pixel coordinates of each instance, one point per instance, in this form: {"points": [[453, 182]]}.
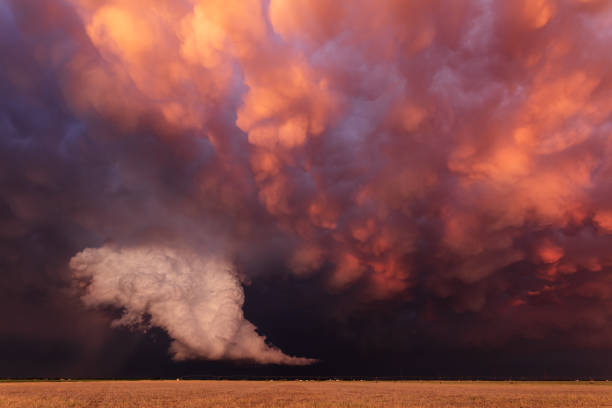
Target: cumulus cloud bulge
{"points": [[284, 181]]}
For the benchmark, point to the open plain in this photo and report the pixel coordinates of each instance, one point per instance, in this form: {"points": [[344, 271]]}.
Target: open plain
{"points": [[302, 394]]}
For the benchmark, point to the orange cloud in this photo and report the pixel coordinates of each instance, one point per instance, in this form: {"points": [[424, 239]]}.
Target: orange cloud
{"points": [[391, 143]]}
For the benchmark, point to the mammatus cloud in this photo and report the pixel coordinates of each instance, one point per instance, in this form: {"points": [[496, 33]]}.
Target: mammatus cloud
{"points": [[198, 301], [453, 156]]}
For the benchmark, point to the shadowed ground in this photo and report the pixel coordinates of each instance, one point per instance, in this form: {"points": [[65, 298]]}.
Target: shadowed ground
{"points": [[304, 394]]}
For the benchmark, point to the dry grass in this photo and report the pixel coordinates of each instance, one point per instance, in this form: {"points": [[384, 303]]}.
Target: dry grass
{"points": [[186, 394]]}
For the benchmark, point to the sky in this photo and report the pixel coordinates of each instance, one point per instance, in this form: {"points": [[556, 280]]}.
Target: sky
{"points": [[305, 188]]}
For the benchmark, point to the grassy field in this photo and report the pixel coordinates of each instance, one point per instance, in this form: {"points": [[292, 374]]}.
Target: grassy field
{"points": [[186, 394]]}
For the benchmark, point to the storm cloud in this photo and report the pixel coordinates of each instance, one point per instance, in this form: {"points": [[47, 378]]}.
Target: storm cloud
{"points": [[450, 158]]}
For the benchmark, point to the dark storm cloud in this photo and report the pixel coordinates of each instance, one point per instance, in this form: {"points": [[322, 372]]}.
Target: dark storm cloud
{"points": [[412, 174]]}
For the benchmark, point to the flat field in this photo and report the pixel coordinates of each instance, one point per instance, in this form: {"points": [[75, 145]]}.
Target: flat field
{"points": [[186, 394]]}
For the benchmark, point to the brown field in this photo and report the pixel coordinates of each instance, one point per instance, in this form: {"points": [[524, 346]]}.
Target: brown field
{"points": [[303, 394]]}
